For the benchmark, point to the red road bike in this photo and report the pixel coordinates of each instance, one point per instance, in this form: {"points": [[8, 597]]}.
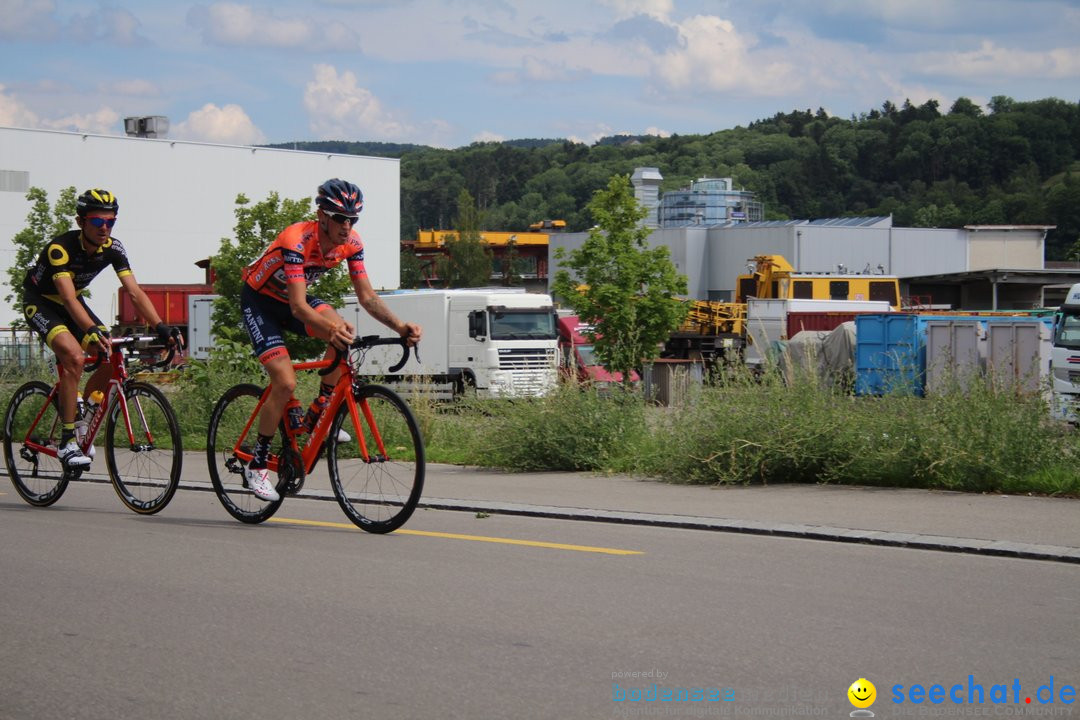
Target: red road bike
{"points": [[377, 475], [143, 452]]}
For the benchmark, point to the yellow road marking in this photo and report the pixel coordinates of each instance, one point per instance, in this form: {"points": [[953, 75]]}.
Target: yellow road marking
{"points": [[474, 538]]}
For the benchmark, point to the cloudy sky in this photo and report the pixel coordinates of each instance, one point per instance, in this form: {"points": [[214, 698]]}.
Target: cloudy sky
{"points": [[451, 72]]}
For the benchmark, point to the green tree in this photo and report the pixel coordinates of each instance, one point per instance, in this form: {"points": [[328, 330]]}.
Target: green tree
{"points": [[43, 224], [629, 289], [411, 274], [468, 259], [256, 227]]}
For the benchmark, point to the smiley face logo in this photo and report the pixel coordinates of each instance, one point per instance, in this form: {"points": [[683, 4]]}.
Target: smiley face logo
{"points": [[862, 693]]}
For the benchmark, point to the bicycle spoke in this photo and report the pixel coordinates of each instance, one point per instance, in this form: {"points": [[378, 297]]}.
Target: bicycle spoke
{"points": [[31, 422], [145, 464], [379, 474], [226, 436]]}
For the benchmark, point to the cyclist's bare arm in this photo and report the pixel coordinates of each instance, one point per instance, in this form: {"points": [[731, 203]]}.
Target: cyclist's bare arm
{"points": [[142, 303], [370, 301], [328, 325]]}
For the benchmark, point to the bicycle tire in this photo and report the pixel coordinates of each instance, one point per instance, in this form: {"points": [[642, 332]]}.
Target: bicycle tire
{"points": [[146, 473], [380, 494], [31, 483], [227, 421]]}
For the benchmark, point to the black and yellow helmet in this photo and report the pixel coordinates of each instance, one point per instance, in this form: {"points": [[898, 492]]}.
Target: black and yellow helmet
{"points": [[96, 199]]}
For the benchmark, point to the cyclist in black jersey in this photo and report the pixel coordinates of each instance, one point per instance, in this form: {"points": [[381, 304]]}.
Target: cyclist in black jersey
{"points": [[54, 308]]}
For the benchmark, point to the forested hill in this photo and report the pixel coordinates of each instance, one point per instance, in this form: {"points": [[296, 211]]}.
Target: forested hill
{"points": [[1017, 163]]}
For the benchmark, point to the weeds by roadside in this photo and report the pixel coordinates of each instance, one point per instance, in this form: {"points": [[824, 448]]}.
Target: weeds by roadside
{"points": [[973, 437]]}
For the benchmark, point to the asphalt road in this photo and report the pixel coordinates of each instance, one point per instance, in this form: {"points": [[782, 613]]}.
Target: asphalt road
{"points": [[190, 614]]}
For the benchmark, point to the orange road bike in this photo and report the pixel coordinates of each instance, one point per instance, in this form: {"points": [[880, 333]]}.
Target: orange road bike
{"points": [[377, 475], [143, 452]]}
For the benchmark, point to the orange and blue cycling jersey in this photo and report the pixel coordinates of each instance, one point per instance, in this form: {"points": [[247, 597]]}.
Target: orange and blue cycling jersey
{"points": [[295, 256]]}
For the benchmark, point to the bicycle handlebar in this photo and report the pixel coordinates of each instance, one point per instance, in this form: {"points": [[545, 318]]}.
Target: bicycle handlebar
{"points": [[369, 341], [131, 340]]}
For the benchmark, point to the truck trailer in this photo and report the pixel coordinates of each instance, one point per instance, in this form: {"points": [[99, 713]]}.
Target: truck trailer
{"points": [[498, 342]]}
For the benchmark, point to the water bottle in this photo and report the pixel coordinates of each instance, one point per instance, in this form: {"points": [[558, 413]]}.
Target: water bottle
{"points": [[80, 418], [92, 403], [294, 417]]}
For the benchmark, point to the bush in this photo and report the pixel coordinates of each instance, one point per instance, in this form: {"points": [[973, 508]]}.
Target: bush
{"points": [[573, 428]]}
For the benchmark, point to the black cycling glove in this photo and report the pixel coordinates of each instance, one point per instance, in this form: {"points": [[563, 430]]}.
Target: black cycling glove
{"points": [[169, 332]]}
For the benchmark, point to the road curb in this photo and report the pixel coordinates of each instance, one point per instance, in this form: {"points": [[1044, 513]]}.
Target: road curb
{"points": [[913, 541], [881, 538]]}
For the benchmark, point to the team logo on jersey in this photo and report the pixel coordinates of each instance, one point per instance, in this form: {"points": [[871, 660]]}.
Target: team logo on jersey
{"points": [[57, 255]]}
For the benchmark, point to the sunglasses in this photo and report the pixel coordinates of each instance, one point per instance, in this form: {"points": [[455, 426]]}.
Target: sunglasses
{"points": [[101, 222], [340, 219]]}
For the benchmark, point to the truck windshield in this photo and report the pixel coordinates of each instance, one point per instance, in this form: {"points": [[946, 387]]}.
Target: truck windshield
{"points": [[588, 355], [1068, 330], [535, 324]]}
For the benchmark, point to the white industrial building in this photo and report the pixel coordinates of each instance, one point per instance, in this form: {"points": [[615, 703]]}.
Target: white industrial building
{"points": [[177, 198], [975, 267]]}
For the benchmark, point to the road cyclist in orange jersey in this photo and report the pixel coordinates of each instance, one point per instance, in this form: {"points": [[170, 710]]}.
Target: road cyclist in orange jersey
{"points": [[55, 309], [274, 298]]}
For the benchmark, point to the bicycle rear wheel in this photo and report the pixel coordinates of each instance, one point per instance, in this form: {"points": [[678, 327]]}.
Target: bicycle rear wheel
{"points": [[145, 466], [378, 494], [230, 416], [38, 478]]}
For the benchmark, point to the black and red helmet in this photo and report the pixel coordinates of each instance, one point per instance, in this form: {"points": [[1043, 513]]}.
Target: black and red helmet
{"points": [[340, 196]]}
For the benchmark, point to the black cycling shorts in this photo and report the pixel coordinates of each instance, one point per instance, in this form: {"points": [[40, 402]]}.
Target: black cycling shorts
{"points": [[265, 318], [48, 318]]}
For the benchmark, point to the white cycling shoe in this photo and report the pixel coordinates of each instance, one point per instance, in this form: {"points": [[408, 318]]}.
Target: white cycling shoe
{"points": [[71, 456], [258, 482], [343, 437]]}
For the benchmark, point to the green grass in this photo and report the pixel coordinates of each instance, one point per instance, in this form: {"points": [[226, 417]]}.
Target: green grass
{"points": [[974, 438]]}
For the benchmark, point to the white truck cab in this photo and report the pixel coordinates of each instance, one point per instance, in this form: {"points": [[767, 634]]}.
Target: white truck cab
{"points": [[499, 342], [1065, 359]]}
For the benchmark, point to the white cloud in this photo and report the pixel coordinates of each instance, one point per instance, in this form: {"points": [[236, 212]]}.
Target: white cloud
{"points": [[227, 125], [652, 8], [111, 25], [537, 70], [28, 19], [339, 109], [105, 121], [227, 23], [714, 57], [993, 61], [488, 136], [652, 130], [13, 113]]}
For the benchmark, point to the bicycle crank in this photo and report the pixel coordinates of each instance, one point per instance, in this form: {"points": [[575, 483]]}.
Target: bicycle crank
{"points": [[290, 471]]}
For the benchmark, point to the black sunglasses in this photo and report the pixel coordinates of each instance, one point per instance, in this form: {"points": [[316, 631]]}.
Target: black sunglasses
{"points": [[340, 219], [101, 222]]}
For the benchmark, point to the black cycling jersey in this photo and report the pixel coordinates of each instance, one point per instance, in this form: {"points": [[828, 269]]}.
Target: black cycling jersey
{"points": [[64, 256]]}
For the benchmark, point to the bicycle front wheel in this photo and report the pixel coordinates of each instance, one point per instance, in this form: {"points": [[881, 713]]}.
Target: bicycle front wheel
{"points": [[378, 492], [144, 466], [231, 415], [38, 477]]}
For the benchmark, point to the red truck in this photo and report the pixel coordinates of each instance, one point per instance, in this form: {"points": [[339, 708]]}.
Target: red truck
{"points": [[577, 358], [170, 301]]}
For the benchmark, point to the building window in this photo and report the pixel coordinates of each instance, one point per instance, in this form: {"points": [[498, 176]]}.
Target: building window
{"points": [[803, 290], [880, 290]]}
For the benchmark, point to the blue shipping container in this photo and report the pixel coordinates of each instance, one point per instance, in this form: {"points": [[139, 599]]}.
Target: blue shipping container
{"points": [[890, 349], [890, 354]]}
